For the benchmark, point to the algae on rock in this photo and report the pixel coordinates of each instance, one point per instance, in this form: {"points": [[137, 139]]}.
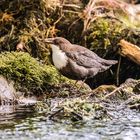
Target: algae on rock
{"points": [[27, 72]]}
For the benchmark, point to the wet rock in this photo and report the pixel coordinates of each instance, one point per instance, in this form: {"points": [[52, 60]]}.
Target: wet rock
{"points": [[9, 96], [7, 92]]}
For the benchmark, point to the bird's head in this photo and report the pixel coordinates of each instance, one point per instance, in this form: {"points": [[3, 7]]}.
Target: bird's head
{"points": [[58, 46], [59, 42]]}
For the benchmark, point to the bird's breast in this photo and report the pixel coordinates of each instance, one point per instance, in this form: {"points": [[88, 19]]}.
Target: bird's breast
{"points": [[60, 59]]}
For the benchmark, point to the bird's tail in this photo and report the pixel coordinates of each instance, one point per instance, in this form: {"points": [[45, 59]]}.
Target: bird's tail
{"points": [[109, 62], [106, 64]]}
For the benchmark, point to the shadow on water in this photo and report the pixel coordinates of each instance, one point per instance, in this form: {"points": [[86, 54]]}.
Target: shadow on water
{"points": [[11, 114], [24, 123]]}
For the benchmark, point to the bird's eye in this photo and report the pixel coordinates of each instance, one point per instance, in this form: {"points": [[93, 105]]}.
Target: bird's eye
{"points": [[57, 41]]}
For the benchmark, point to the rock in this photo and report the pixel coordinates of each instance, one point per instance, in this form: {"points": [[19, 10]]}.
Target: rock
{"points": [[9, 96], [7, 92]]}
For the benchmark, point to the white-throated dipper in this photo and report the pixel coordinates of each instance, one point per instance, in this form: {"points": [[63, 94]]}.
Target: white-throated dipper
{"points": [[76, 62]]}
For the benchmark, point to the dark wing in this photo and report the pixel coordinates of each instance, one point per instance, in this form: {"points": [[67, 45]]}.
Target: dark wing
{"points": [[93, 55], [81, 59], [88, 59]]}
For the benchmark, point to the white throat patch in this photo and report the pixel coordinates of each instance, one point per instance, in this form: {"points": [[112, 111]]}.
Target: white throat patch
{"points": [[59, 57]]}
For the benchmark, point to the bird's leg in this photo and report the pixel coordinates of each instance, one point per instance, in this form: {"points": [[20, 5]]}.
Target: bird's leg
{"points": [[80, 85], [74, 84], [70, 89], [83, 81]]}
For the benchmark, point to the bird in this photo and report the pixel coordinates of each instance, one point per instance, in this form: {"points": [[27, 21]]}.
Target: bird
{"points": [[76, 62]]}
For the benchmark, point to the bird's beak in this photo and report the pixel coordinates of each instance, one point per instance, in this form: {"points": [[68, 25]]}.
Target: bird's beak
{"points": [[49, 40]]}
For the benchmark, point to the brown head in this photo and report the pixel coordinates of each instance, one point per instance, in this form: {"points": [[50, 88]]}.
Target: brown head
{"points": [[58, 41]]}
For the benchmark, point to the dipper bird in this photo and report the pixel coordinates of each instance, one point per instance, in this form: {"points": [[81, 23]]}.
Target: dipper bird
{"points": [[76, 62]]}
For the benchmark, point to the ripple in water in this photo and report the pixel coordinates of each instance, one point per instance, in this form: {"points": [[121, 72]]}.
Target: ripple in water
{"points": [[24, 123]]}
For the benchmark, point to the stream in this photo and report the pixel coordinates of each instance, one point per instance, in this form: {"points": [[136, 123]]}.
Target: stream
{"points": [[21, 122]]}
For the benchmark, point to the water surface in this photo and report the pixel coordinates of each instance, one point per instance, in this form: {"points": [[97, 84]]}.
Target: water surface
{"points": [[25, 124]]}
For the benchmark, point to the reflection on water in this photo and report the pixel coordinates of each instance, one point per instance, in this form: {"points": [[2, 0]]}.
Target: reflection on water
{"points": [[10, 114], [25, 124]]}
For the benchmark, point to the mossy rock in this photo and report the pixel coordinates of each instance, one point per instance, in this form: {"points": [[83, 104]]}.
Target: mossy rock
{"points": [[27, 73], [105, 34]]}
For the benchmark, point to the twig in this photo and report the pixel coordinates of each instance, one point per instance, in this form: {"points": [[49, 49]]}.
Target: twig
{"points": [[114, 91], [11, 32], [56, 112], [73, 24], [118, 71], [77, 116], [70, 11], [71, 5]]}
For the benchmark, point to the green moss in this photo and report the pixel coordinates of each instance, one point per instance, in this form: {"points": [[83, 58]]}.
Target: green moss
{"points": [[27, 72], [104, 33], [79, 108]]}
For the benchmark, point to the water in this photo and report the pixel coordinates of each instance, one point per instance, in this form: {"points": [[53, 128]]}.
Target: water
{"points": [[25, 124]]}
